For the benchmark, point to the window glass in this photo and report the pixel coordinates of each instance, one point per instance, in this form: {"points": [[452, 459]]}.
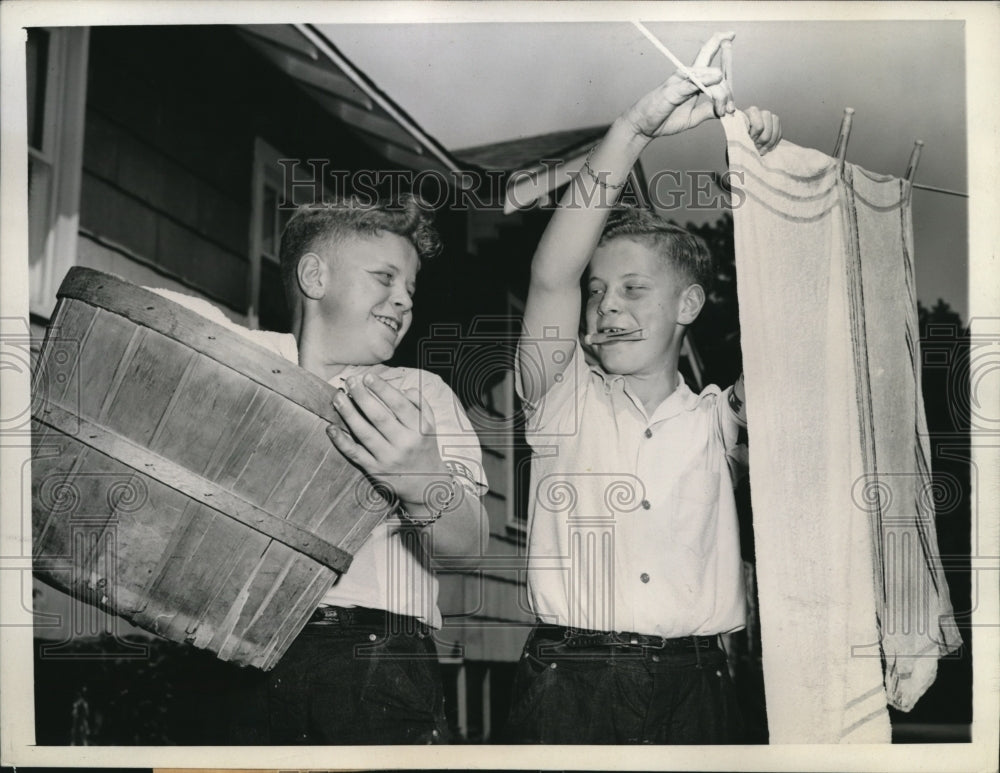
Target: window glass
{"points": [[37, 66], [39, 193]]}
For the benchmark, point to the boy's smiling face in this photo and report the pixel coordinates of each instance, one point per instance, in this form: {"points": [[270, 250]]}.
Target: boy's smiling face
{"points": [[631, 286], [367, 305]]}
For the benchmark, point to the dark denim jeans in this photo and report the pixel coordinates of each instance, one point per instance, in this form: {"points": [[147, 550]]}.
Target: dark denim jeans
{"points": [[346, 684], [621, 695]]}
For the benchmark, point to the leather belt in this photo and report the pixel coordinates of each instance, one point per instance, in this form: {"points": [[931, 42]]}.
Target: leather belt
{"points": [[378, 619], [578, 638]]}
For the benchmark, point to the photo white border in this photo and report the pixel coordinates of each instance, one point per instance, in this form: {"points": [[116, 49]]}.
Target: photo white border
{"points": [[16, 695]]}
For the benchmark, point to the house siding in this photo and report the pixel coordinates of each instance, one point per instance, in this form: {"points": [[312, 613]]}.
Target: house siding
{"points": [[487, 615], [168, 150]]}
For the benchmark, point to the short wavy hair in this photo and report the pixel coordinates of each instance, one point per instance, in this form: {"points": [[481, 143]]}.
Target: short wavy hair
{"points": [[314, 225], [685, 252]]}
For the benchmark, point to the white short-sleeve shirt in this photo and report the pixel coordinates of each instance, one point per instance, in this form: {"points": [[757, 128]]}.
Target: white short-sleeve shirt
{"points": [[632, 522], [387, 572]]}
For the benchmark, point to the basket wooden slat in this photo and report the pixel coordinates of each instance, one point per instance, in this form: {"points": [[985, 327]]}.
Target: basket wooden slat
{"points": [[182, 477]]}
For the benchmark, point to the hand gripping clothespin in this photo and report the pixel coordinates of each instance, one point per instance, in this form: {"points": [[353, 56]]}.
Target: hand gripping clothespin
{"points": [[681, 67], [727, 57], [726, 62]]}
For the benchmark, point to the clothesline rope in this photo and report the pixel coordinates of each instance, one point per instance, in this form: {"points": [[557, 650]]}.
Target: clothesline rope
{"points": [[839, 152], [947, 191]]}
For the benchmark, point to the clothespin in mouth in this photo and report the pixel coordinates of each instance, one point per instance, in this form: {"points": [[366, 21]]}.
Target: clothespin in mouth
{"points": [[591, 339]]}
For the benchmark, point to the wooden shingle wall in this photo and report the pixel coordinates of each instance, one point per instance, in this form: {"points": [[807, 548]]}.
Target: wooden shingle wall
{"points": [[172, 116]]}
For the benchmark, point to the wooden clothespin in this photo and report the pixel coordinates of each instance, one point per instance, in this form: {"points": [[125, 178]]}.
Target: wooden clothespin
{"points": [[727, 62], [840, 152], [911, 168]]}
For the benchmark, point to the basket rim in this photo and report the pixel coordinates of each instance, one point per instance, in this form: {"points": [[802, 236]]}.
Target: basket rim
{"points": [[227, 347]]}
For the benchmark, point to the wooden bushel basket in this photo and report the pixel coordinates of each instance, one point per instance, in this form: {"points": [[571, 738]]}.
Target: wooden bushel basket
{"points": [[182, 477]]}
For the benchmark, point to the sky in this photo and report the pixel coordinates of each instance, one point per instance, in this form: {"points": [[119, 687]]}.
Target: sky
{"points": [[475, 83]]}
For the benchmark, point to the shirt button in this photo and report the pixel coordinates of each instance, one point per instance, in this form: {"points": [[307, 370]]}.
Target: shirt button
{"points": [[649, 432], [645, 504], [644, 577]]}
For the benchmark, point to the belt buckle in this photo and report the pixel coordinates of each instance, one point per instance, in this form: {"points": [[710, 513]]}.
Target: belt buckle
{"points": [[630, 639], [328, 615]]}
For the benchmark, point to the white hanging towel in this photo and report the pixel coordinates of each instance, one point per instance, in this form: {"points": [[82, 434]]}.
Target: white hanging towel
{"points": [[848, 567]]}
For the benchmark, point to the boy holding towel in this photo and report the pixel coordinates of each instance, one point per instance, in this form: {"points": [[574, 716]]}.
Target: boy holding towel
{"points": [[634, 560]]}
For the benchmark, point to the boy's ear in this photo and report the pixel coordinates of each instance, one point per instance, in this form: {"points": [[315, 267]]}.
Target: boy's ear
{"points": [[312, 276], [692, 301]]}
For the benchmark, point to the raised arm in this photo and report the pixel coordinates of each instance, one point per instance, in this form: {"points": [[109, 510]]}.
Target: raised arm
{"points": [[552, 310]]}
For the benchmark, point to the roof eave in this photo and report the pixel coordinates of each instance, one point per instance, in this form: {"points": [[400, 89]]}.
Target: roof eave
{"points": [[430, 146]]}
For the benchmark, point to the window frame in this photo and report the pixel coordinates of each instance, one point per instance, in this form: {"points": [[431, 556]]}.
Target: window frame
{"points": [[265, 175], [63, 121]]}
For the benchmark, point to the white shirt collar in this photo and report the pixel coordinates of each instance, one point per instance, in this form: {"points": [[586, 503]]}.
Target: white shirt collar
{"points": [[681, 399]]}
